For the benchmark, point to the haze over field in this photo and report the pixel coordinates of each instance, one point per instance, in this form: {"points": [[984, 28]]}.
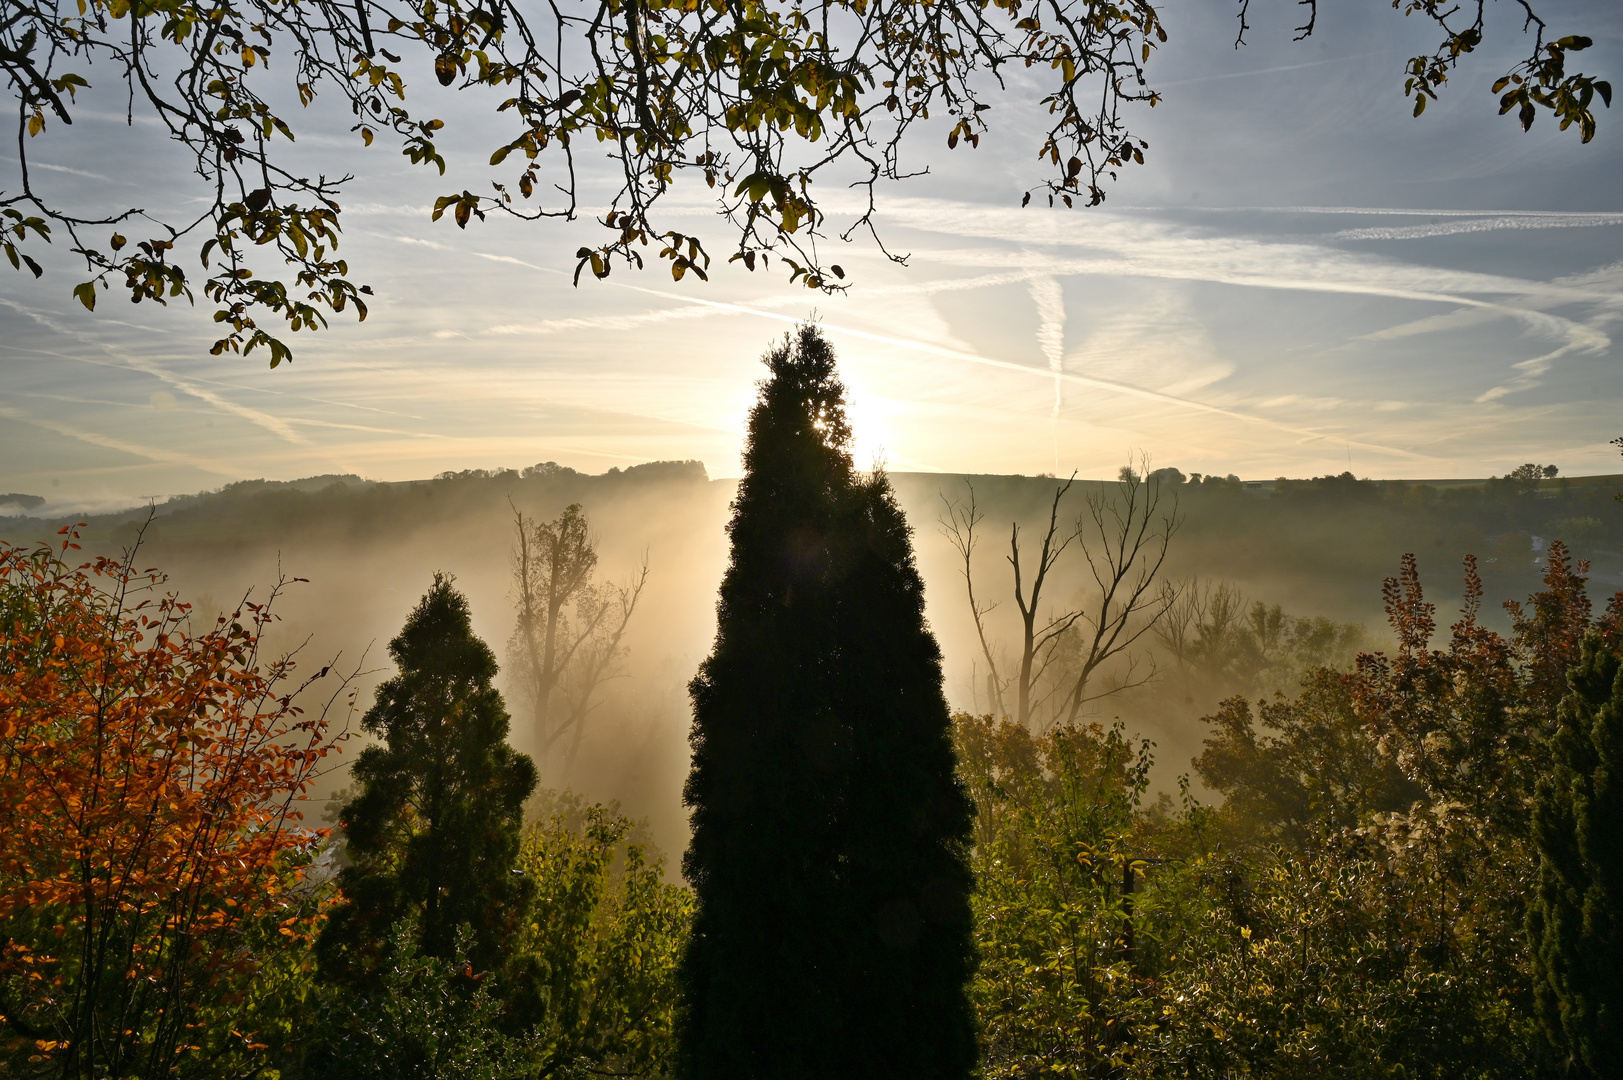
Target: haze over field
{"points": [[1316, 550]]}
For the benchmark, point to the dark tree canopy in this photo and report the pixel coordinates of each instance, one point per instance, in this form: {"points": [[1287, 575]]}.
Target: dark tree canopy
{"points": [[833, 933], [756, 98], [1575, 918], [433, 832]]}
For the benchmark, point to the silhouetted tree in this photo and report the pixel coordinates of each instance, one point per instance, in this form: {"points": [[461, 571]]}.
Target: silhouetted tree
{"points": [[433, 832], [833, 936], [1576, 915], [561, 662]]}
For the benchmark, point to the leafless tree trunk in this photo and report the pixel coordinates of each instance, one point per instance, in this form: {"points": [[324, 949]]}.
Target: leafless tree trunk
{"points": [[567, 639], [1124, 536]]}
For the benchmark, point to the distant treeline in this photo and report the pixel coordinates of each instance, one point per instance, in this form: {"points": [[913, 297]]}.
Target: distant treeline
{"points": [[343, 504], [1318, 544]]}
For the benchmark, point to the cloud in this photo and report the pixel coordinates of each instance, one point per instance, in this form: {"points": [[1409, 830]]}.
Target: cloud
{"points": [[1152, 249], [306, 422], [1155, 339], [1375, 211], [610, 322], [1123, 246], [1261, 71], [69, 170]]}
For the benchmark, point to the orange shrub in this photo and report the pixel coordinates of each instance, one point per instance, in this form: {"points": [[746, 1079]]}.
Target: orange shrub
{"points": [[151, 780]]}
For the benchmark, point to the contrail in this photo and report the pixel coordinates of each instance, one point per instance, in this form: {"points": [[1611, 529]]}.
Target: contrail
{"points": [[167, 457], [1477, 225], [1125, 389], [1050, 300], [270, 423]]}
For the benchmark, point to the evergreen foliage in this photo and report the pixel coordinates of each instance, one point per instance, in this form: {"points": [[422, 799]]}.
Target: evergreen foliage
{"points": [[434, 832], [832, 934], [425, 1019], [1576, 914]]}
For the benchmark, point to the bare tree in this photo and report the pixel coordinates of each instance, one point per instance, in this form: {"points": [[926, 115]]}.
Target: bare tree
{"points": [[1125, 536], [1184, 611], [568, 637], [1123, 533]]}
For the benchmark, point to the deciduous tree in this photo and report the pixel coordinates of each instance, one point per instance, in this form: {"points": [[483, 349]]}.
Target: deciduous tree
{"points": [[1059, 851], [1123, 535], [605, 933], [1472, 722], [152, 777], [1311, 769], [567, 640]]}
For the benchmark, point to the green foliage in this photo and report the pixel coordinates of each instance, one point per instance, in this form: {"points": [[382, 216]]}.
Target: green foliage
{"points": [[1393, 951], [424, 1017], [1576, 915], [602, 941], [1313, 768], [433, 833], [1120, 940], [1358, 906], [832, 929], [1059, 847], [586, 988]]}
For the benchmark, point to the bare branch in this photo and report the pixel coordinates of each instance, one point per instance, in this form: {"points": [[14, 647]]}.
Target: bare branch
{"points": [[958, 526], [1125, 536]]}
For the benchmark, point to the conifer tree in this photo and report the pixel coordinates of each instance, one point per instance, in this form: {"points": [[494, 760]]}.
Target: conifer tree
{"points": [[433, 833], [1576, 915], [832, 937]]}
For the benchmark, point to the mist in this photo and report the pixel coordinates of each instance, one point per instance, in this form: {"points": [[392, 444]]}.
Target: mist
{"points": [[368, 551]]}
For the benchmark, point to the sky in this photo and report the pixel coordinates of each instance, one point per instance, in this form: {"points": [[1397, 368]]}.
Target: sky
{"points": [[1302, 279]]}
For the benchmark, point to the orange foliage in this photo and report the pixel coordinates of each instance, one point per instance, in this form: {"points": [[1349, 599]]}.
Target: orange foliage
{"points": [[151, 779]]}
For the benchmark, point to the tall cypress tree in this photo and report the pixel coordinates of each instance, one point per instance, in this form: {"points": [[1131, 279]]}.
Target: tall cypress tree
{"points": [[1576, 917], [434, 829], [832, 938]]}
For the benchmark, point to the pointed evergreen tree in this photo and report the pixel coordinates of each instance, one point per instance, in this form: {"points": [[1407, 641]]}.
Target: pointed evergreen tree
{"points": [[833, 936], [434, 831], [1576, 916]]}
